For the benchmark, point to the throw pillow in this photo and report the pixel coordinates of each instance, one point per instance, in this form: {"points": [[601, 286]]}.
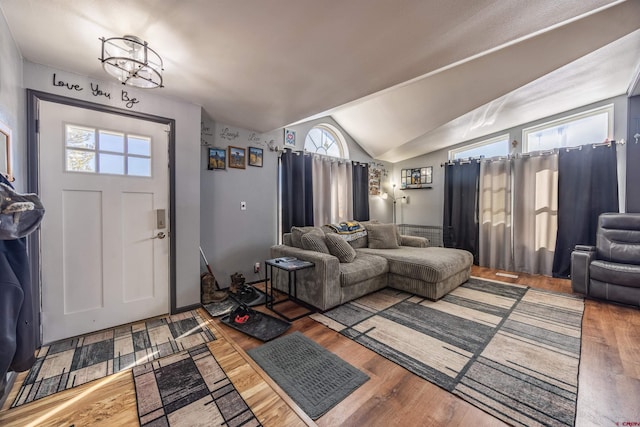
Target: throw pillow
{"points": [[296, 235], [382, 236], [340, 248], [314, 241]]}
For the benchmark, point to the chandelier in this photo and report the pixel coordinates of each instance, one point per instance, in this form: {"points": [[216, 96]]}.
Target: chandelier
{"points": [[131, 60]]}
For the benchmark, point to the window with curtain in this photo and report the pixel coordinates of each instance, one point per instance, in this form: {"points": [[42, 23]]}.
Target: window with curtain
{"points": [[335, 189]]}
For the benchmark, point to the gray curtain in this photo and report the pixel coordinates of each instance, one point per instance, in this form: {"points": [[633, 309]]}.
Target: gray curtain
{"points": [[495, 215], [460, 219], [360, 175], [535, 212], [297, 190], [587, 187]]}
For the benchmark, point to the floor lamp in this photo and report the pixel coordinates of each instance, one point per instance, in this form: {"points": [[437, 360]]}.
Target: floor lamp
{"points": [[395, 201]]}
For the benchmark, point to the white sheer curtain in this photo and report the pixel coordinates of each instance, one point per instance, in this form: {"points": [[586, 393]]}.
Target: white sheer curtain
{"points": [[535, 212], [321, 172], [341, 192], [332, 191], [495, 215]]}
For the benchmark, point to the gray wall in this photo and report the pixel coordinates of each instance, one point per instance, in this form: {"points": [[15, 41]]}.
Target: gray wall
{"points": [[187, 117], [234, 240], [12, 102], [426, 207]]}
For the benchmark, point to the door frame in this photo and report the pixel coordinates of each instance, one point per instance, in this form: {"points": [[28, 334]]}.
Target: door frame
{"points": [[33, 164]]}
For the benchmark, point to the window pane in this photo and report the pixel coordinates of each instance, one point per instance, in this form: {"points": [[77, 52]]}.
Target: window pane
{"points": [[323, 141], [112, 163], [139, 145], [587, 130], [78, 137], [498, 148], [139, 166], [81, 161], [110, 141]]}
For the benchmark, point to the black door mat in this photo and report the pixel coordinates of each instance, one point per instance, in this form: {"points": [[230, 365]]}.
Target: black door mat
{"points": [[260, 325], [251, 299]]}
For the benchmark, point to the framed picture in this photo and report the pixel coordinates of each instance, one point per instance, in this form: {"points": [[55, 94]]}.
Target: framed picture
{"points": [[217, 158], [416, 177], [289, 138], [374, 182], [255, 156], [236, 157]]}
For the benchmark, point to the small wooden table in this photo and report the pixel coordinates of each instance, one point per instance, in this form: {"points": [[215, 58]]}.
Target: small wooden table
{"points": [[291, 266]]}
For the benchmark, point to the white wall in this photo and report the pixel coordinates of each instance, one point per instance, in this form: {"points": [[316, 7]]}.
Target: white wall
{"points": [[187, 161], [12, 102]]}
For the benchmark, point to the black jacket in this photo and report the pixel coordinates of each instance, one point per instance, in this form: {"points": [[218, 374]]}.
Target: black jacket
{"points": [[18, 325]]}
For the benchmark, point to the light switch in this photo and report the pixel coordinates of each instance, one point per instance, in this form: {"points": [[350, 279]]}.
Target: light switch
{"points": [[243, 206]]}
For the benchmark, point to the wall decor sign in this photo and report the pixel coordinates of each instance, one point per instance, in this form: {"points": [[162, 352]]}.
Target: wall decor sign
{"points": [[416, 177], [237, 157], [128, 101], [376, 172], [289, 138], [217, 159], [255, 156], [229, 134]]}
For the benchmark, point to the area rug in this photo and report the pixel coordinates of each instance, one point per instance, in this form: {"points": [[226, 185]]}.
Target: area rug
{"points": [[511, 350], [312, 376], [75, 361], [189, 389]]}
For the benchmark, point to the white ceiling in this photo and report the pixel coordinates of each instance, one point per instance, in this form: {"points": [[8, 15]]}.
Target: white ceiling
{"points": [[402, 77]]}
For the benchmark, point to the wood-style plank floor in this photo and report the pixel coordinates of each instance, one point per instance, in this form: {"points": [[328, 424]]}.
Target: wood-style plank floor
{"points": [[608, 391]]}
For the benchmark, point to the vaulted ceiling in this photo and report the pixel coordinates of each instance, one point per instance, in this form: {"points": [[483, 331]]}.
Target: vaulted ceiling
{"points": [[402, 77]]}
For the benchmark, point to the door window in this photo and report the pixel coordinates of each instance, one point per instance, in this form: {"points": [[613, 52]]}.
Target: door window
{"points": [[106, 152]]}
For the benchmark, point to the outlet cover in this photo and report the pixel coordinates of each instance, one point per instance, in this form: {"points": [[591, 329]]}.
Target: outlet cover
{"points": [[243, 206]]}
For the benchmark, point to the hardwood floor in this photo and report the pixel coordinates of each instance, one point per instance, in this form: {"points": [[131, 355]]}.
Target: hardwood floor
{"points": [[111, 401], [609, 380]]}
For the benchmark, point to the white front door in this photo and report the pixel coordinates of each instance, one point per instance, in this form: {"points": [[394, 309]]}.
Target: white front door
{"points": [[104, 248]]}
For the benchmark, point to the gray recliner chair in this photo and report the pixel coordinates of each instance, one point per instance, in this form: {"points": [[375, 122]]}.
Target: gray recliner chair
{"points": [[611, 269]]}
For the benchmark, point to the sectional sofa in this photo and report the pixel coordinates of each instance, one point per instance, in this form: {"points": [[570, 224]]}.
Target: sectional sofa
{"points": [[347, 268]]}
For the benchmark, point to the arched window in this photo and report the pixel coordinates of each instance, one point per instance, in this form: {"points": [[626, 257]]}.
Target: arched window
{"points": [[327, 140]]}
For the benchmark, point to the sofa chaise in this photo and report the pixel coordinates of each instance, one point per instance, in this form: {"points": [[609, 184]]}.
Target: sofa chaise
{"points": [[347, 268]]}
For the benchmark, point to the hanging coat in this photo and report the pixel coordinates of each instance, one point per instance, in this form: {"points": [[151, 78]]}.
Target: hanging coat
{"points": [[20, 214]]}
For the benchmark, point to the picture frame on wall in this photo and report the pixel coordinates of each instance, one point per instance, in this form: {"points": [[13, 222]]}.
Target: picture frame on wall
{"points": [[289, 138], [255, 156], [217, 159], [416, 177], [237, 157]]}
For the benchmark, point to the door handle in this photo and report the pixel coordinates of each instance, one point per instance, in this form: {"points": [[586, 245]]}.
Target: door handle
{"points": [[160, 235]]}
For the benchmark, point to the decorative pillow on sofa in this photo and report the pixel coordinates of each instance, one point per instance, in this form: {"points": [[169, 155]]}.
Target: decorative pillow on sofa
{"points": [[382, 236], [297, 233], [314, 241], [340, 248]]}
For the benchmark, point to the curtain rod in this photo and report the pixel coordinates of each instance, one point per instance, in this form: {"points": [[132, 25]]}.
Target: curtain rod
{"points": [[326, 157], [606, 142]]}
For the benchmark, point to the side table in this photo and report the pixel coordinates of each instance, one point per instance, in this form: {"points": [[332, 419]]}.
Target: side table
{"points": [[291, 266]]}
